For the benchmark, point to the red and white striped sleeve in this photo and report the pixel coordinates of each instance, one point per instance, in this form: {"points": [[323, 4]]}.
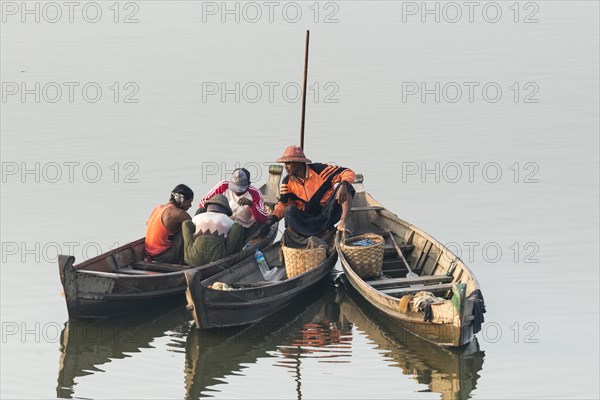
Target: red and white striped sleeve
{"points": [[258, 206], [219, 189]]}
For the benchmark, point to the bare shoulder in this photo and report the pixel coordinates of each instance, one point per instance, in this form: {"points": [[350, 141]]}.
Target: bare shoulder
{"points": [[175, 215]]}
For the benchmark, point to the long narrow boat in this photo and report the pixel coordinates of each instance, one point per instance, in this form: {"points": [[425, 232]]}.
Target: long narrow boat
{"points": [[450, 323], [121, 281], [252, 298]]}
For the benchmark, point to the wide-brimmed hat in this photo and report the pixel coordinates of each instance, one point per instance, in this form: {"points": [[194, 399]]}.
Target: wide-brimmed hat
{"points": [[221, 202], [240, 180], [294, 154]]}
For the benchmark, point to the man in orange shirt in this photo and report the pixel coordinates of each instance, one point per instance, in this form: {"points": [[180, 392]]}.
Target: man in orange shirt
{"points": [[164, 242], [314, 196]]}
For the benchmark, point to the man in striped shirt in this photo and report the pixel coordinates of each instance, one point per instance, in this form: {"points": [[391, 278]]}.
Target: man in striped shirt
{"points": [[246, 201], [314, 196]]}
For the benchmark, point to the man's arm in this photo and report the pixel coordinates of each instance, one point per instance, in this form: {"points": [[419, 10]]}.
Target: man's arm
{"points": [[344, 219], [286, 199], [278, 211], [345, 179], [219, 189], [258, 205], [347, 175]]}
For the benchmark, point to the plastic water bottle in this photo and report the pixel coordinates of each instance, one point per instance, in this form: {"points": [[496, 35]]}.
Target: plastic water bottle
{"points": [[262, 264]]}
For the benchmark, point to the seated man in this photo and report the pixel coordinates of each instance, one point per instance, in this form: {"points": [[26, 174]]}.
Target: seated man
{"points": [[164, 243], [313, 197], [212, 235], [246, 202]]}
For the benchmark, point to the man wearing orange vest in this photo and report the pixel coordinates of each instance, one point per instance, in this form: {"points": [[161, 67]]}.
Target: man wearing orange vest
{"points": [[314, 196], [164, 242]]}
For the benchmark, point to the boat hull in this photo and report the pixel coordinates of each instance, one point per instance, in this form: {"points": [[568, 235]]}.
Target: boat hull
{"points": [[96, 288], [438, 268], [446, 334], [219, 308], [120, 281]]}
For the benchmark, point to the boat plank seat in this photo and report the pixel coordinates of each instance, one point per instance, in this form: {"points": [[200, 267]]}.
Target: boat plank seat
{"points": [[398, 282], [159, 267], [366, 208], [395, 263], [397, 292], [389, 251], [127, 271]]}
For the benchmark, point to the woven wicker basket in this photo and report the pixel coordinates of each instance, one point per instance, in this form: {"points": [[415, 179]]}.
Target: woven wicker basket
{"points": [[298, 261], [366, 261]]}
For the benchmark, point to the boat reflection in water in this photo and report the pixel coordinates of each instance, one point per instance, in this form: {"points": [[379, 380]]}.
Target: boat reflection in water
{"points": [[451, 372], [326, 337], [321, 325], [85, 345], [211, 355]]}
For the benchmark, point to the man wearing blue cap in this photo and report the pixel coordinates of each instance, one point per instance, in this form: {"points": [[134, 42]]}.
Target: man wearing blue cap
{"points": [[246, 201]]}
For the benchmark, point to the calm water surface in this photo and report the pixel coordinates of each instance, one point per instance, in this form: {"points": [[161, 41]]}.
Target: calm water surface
{"points": [[509, 180]]}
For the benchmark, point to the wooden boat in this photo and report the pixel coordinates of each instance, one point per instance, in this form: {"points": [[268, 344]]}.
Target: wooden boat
{"points": [[451, 372], [252, 298], [439, 272], [121, 281]]}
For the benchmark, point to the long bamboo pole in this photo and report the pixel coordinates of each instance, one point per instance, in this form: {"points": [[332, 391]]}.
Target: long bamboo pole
{"points": [[304, 90]]}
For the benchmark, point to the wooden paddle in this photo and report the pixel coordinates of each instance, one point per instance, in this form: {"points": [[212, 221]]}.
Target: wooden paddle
{"points": [[410, 274]]}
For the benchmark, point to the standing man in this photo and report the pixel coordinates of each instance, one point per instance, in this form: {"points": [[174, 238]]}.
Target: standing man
{"points": [[246, 201], [314, 197], [164, 242]]}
